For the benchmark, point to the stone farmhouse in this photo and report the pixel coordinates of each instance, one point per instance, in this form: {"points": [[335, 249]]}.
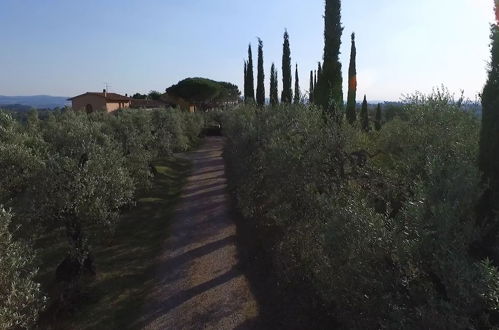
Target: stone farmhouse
{"points": [[109, 102]]}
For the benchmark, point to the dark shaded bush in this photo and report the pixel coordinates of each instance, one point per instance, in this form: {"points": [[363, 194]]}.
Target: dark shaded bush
{"points": [[372, 229]]}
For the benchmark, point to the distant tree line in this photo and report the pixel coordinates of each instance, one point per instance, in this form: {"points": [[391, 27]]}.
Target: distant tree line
{"points": [[152, 95]]}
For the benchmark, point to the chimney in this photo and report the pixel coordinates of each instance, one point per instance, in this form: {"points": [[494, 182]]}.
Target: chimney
{"points": [[105, 92]]}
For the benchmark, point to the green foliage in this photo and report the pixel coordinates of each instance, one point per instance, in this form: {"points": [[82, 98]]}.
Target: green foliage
{"points": [[297, 95], [84, 183], [316, 83], [392, 110], [364, 116], [154, 95], [377, 226], [204, 91], [74, 173], [132, 130], [352, 85], [193, 125], [20, 296], [228, 93], [330, 81], [146, 135], [274, 89], [139, 96], [249, 93], [167, 131], [287, 92], [21, 158], [379, 120], [195, 89], [489, 137], [260, 87], [245, 90], [311, 88]]}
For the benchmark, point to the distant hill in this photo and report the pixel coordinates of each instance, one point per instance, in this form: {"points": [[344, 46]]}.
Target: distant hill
{"points": [[35, 101]]}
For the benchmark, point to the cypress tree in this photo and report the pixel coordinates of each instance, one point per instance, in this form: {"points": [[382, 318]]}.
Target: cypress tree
{"points": [[311, 88], [364, 116], [352, 85], [250, 97], [297, 97], [315, 82], [287, 92], [274, 97], [271, 85], [489, 135], [245, 79], [377, 123], [276, 88], [316, 88], [330, 81], [260, 86]]}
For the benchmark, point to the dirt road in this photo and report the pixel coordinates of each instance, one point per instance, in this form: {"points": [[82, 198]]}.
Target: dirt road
{"points": [[199, 284]]}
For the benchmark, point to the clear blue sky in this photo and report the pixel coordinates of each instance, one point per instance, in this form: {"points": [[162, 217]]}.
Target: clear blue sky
{"points": [[67, 47]]}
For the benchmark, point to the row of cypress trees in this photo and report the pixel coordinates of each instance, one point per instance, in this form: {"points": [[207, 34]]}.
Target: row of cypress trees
{"points": [[326, 83], [364, 117], [326, 87], [287, 95], [326, 91]]}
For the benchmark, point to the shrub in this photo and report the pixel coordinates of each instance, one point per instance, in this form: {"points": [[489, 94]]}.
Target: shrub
{"points": [[193, 126], [132, 130], [20, 297], [179, 129], [20, 158], [76, 172], [374, 229], [163, 131], [84, 183]]}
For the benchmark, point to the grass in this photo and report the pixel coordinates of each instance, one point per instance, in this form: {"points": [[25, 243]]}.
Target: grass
{"points": [[125, 267]]}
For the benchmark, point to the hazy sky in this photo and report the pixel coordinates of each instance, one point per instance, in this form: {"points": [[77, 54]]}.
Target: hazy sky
{"points": [[67, 47]]}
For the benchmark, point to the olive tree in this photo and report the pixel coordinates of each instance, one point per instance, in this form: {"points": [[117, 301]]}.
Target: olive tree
{"points": [[20, 158], [83, 185], [20, 296], [133, 132]]}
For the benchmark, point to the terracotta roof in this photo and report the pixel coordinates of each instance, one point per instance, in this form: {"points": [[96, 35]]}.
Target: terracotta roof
{"points": [[110, 97]]}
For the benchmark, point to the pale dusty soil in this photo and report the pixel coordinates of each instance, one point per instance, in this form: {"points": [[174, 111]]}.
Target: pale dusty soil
{"points": [[199, 284]]}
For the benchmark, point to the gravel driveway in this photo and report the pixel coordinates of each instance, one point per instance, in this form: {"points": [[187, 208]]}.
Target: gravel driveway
{"points": [[199, 284]]}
